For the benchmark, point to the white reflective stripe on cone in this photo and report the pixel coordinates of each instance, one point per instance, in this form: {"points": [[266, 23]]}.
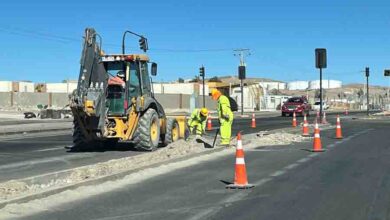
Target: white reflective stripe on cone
{"points": [[240, 160], [239, 144], [338, 126], [316, 135]]}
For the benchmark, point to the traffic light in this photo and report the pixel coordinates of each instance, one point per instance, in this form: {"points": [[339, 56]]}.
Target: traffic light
{"points": [[201, 71], [241, 72], [367, 71], [143, 44], [320, 58], [387, 72]]}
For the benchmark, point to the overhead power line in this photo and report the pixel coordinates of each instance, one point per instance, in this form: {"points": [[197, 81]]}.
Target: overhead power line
{"points": [[66, 39]]}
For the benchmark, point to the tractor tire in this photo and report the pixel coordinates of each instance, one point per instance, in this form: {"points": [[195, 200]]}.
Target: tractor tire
{"points": [[147, 134], [79, 140], [172, 133]]}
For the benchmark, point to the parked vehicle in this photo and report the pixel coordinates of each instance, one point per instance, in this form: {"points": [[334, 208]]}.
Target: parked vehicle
{"points": [[316, 106], [299, 105]]}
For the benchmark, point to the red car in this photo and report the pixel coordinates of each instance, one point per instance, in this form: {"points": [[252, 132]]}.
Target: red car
{"points": [[299, 105]]}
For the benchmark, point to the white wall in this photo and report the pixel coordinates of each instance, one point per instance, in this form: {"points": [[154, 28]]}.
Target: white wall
{"points": [[326, 84], [272, 85], [179, 88], [61, 87], [26, 87], [252, 97], [298, 85], [5, 86]]}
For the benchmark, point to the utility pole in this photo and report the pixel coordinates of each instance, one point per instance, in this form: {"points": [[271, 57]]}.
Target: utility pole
{"points": [[368, 97], [202, 74], [242, 53]]}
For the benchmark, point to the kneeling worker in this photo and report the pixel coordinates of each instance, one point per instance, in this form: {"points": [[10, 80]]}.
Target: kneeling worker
{"points": [[225, 116], [198, 119]]}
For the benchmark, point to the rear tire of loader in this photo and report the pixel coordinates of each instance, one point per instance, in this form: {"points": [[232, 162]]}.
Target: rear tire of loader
{"points": [[147, 135], [79, 140], [172, 133]]}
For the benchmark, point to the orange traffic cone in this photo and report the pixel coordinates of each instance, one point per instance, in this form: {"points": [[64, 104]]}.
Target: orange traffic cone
{"points": [[240, 177], [305, 129], [294, 122], [317, 146], [253, 121], [324, 118], [338, 128], [209, 125]]}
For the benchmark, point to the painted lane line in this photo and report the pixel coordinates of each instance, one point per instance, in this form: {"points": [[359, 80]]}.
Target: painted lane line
{"points": [[278, 173], [50, 149], [291, 166], [303, 160]]}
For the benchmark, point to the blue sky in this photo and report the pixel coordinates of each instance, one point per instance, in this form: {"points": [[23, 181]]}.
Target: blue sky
{"points": [[41, 40]]}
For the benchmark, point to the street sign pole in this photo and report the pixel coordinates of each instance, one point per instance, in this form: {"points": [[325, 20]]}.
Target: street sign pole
{"points": [[242, 97], [368, 96], [320, 92], [320, 56]]}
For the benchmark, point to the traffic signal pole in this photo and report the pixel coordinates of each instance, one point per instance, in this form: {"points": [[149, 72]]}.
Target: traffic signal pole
{"points": [[368, 97], [320, 93], [202, 74]]}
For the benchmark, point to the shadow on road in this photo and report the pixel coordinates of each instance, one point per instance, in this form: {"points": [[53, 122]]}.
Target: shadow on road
{"points": [[101, 148]]}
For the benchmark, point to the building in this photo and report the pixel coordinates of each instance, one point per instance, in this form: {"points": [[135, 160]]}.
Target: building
{"points": [[326, 84], [252, 96], [273, 85], [180, 88], [64, 87], [273, 102], [5, 86], [298, 85]]}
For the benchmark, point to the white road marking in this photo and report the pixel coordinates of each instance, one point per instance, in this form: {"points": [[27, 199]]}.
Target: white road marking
{"points": [[50, 149], [291, 166], [303, 160], [278, 173]]}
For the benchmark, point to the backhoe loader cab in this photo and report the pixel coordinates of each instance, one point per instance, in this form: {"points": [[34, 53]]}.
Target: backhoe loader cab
{"points": [[114, 101]]}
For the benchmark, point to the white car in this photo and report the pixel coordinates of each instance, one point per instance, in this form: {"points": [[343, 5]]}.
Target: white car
{"points": [[316, 106]]}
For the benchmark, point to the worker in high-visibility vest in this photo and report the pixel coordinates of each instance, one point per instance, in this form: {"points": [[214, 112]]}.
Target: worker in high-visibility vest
{"points": [[198, 120], [225, 116]]}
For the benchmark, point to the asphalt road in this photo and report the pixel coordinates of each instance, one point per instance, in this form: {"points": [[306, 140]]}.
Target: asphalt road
{"points": [[348, 181], [39, 154], [22, 157]]}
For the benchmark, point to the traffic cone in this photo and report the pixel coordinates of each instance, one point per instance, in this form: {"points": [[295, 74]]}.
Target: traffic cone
{"points": [[338, 128], [317, 146], [253, 121], [294, 122], [324, 118], [209, 125], [305, 129], [240, 177], [346, 111]]}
